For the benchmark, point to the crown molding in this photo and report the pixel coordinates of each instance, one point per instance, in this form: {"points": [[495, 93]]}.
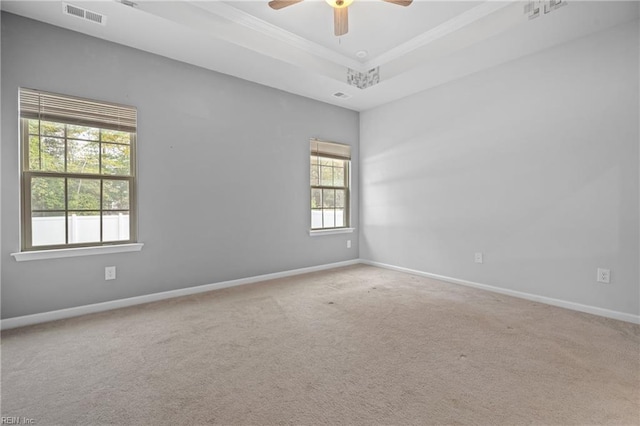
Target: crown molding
{"points": [[251, 22], [256, 24], [446, 28]]}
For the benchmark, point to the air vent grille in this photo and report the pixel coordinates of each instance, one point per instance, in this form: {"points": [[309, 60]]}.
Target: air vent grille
{"points": [[74, 11], [95, 17], [87, 15]]}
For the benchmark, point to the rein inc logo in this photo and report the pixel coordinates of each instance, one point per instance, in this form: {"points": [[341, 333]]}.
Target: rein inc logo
{"points": [[17, 421]]}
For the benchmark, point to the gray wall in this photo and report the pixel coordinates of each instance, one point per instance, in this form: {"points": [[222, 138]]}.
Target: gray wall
{"points": [[534, 163], [229, 157]]}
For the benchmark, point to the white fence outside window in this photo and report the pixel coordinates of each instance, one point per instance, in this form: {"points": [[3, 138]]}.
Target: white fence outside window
{"points": [[82, 229]]}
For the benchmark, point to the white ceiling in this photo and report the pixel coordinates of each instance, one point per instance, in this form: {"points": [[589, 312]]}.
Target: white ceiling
{"points": [[294, 49], [375, 26]]}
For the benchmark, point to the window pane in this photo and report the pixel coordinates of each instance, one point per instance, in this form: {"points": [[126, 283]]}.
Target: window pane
{"points": [[316, 198], [34, 127], [115, 226], [51, 129], [316, 219], [34, 153], [328, 198], [83, 157], [340, 217], [47, 228], [329, 218], [84, 194], [115, 136], [47, 193], [82, 132], [338, 176], [115, 195], [326, 176], [116, 159], [84, 227], [52, 154], [340, 198], [326, 161], [314, 173]]}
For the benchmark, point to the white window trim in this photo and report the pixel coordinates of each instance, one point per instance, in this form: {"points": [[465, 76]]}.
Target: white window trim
{"points": [[70, 110], [338, 151], [75, 252], [319, 232]]}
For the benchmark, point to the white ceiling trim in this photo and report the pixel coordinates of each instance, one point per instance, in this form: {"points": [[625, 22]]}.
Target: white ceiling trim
{"points": [[249, 21], [446, 28]]}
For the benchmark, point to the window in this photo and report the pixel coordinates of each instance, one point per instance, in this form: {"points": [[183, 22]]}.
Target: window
{"points": [[329, 185], [77, 171]]}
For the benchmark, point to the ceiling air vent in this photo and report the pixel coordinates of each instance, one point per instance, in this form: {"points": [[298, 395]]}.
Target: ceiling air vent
{"points": [[341, 95], [82, 13]]}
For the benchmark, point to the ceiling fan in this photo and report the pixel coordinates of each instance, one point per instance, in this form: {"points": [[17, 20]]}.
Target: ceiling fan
{"points": [[340, 11]]}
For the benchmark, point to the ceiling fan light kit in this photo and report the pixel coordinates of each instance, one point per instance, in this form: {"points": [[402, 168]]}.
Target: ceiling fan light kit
{"points": [[339, 4], [340, 11]]}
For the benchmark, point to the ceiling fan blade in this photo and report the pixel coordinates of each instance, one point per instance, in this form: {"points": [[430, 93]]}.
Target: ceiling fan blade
{"points": [[400, 2], [279, 4], [340, 21]]}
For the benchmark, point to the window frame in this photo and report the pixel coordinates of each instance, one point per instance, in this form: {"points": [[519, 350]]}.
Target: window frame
{"points": [[27, 175], [346, 187]]}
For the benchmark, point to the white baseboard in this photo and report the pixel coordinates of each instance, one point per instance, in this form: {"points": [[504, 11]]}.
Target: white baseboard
{"points": [[138, 300], [622, 316], [22, 321]]}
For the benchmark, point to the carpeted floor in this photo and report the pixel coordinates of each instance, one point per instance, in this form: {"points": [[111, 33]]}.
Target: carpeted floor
{"points": [[357, 345]]}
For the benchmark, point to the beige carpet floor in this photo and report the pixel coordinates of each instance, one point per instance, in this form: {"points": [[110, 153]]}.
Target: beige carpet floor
{"points": [[357, 345]]}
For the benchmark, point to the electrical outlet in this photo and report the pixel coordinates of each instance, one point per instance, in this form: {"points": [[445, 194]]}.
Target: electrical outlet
{"points": [[110, 273], [348, 243], [604, 275], [478, 257]]}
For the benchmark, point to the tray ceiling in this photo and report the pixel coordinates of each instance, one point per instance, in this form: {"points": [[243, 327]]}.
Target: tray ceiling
{"points": [[408, 49]]}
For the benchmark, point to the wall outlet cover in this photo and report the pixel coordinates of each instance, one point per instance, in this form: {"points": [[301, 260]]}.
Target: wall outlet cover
{"points": [[604, 275], [478, 257], [110, 273]]}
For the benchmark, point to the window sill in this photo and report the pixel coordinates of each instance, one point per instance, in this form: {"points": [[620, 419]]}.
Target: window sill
{"points": [[319, 232], [74, 252]]}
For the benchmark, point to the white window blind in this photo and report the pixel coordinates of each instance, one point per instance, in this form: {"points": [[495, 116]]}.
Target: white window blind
{"points": [[330, 149], [35, 104]]}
